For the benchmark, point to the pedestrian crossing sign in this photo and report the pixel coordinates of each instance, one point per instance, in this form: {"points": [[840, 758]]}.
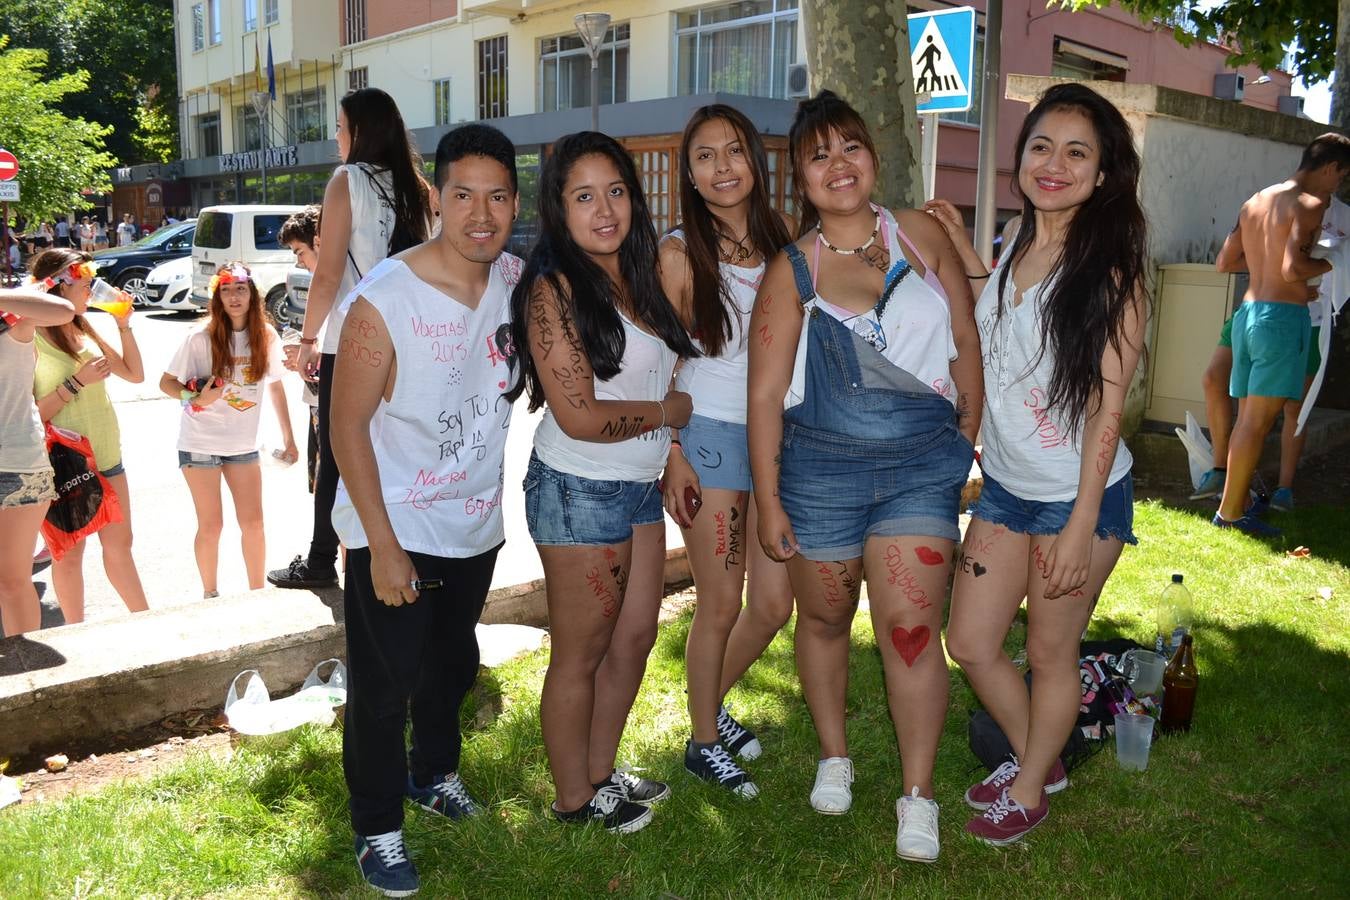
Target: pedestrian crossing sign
{"points": [[942, 56]]}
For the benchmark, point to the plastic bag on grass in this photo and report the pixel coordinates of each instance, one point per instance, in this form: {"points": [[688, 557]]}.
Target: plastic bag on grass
{"points": [[255, 712]]}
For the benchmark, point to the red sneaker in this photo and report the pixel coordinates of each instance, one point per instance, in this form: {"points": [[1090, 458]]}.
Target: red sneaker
{"points": [[1007, 821], [981, 796]]}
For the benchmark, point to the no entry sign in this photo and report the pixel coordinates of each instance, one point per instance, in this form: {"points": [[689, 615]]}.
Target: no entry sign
{"points": [[9, 165]]}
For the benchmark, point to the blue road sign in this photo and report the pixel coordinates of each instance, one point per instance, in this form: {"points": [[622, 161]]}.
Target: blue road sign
{"points": [[942, 53]]}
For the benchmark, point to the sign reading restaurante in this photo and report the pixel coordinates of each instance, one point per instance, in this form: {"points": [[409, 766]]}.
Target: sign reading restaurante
{"points": [[277, 157]]}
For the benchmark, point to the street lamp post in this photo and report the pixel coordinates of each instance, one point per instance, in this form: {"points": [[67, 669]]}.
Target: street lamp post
{"points": [[592, 28], [262, 101]]}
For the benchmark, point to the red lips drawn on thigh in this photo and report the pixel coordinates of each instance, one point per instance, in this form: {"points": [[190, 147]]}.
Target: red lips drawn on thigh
{"points": [[929, 557], [909, 644]]}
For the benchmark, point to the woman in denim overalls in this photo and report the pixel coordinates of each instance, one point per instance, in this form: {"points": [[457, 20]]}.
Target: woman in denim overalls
{"points": [[863, 351]]}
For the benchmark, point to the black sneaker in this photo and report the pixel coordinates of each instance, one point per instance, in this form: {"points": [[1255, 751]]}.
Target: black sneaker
{"points": [[715, 765], [739, 740], [299, 575], [638, 789], [611, 809]]}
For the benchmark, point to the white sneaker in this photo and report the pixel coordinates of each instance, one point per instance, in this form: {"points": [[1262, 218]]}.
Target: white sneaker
{"points": [[833, 792], [916, 839]]}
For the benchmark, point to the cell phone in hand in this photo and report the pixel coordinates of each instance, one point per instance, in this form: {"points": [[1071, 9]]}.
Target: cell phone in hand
{"points": [[692, 501]]}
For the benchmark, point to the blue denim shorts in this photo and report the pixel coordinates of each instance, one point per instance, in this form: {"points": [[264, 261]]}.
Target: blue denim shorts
{"points": [[719, 453], [1000, 506], [568, 510], [839, 490], [188, 460], [26, 488], [113, 471]]}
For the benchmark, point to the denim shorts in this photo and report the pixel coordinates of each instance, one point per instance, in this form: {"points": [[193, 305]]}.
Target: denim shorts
{"points": [[563, 509], [839, 490], [114, 471], [1000, 506], [718, 452], [26, 488], [187, 460]]}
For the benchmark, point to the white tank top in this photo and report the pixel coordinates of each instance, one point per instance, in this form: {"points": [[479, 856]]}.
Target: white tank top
{"points": [[717, 383], [914, 331], [647, 367], [23, 446], [1027, 449], [440, 440], [372, 226]]}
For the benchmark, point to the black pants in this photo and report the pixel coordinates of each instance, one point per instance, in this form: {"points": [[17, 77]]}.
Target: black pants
{"points": [[323, 545], [425, 653]]}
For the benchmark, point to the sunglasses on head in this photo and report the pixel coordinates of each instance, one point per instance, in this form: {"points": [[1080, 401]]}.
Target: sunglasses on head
{"points": [[69, 275]]}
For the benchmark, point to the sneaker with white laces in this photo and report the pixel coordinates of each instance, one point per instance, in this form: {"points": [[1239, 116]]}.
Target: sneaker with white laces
{"points": [[980, 796], [636, 788], [739, 740], [611, 808], [384, 863], [916, 837], [1007, 821], [832, 794], [446, 795], [715, 765]]}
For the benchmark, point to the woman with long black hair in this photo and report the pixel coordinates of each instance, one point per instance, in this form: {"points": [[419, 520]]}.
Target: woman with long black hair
{"points": [[711, 267], [599, 342], [1061, 322], [376, 204]]}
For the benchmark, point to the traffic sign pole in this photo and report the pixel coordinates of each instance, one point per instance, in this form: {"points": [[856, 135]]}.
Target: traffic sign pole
{"points": [[928, 152], [986, 178], [941, 54]]}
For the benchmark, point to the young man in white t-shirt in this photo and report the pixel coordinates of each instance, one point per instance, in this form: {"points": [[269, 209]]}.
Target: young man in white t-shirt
{"points": [[424, 359]]}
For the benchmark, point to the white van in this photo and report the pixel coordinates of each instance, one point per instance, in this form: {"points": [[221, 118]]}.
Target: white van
{"points": [[248, 234]]}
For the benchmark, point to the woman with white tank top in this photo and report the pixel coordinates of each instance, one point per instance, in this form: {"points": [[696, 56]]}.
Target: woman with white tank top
{"points": [[599, 342], [711, 267], [1061, 321]]}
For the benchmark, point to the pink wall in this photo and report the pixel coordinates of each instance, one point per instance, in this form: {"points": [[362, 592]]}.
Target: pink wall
{"points": [[387, 16], [1029, 33]]}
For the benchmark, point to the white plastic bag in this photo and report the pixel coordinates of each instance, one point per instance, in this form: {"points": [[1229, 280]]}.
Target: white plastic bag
{"points": [[1198, 449], [254, 712]]}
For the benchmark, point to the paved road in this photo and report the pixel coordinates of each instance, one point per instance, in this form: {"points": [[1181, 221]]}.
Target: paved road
{"points": [[162, 513]]}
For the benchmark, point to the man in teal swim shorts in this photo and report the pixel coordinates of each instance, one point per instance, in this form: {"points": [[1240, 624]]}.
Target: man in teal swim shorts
{"points": [[1271, 332]]}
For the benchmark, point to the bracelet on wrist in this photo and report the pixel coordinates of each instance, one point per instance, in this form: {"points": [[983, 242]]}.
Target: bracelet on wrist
{"points": [[978, 277], [76, 379], [309, 342]]}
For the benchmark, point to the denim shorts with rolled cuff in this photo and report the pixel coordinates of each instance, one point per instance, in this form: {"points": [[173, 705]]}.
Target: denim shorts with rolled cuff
{"points": [[838, 490], [718, 452], [114, 471], [1000, 506], [567, 510], [26, 488], [187, 460]]}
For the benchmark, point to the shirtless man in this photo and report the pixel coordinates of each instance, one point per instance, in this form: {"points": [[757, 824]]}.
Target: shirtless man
{"points": [[1276, 230]]}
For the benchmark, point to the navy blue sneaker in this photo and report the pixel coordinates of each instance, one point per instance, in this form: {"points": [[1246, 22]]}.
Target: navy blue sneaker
{"points": [[446, 795], [636, 788], [1248, 524], [385, 865]]}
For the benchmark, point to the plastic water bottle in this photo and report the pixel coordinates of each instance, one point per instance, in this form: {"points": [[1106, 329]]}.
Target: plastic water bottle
{"points": [[1176, 611]]}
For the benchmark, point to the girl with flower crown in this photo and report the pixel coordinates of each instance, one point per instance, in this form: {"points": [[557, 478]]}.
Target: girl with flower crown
{"points": [[219, 373]]}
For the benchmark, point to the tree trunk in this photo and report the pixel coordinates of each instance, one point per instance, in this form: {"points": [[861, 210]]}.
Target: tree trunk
{"points": [[860, 50], [1340, 87]]}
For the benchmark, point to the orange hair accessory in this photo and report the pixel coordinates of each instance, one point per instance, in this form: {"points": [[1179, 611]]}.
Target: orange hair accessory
{"points": [[228, 275]]}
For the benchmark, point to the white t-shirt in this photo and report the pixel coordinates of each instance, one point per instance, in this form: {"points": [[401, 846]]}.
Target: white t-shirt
{"points": [[229, 426], [372, 225], [717, 383], [125, 232], [440, 440], [1027, 447]]}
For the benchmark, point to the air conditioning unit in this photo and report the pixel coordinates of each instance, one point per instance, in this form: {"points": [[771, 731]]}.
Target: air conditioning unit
{"points": [[1229, 86], [1291, 106], [798, 81]]}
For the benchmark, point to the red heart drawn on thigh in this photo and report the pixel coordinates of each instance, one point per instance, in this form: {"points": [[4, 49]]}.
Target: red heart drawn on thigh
{"points": [[909, 644], [929, 557]]}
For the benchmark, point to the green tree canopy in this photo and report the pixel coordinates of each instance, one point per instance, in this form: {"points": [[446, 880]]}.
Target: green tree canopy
{"points": [[59, 156], [127, 49], [1256, 31]]}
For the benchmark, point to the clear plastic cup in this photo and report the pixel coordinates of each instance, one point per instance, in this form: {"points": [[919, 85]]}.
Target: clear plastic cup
{"points": [[1134, 734], [108, 298], [1145, 671]]}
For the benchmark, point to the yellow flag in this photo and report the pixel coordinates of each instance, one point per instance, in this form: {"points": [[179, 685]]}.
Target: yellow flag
{"points": [[257, 66]]}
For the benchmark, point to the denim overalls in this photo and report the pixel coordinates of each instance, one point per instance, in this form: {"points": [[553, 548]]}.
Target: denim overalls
{"points": [[870, 449]]}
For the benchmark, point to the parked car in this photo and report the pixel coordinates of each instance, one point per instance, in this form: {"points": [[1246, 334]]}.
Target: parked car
{"points": [[292, 311], [126, 267], [247, 234], [169, 284]]}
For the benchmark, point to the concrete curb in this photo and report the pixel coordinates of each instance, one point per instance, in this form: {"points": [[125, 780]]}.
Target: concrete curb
{"points": [[96, 679]]}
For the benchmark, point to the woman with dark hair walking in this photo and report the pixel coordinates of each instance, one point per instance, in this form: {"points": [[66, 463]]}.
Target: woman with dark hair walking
{"points": [[73, 355], [1061, 322], [711, 267], [863, 404], [599, 343], [376, 204]]}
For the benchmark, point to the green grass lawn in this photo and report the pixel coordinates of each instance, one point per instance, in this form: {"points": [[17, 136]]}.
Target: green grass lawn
{"points": [[1250, 803]]}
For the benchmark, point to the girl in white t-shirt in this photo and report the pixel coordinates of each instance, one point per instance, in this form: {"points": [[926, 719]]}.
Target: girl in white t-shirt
{"points": [[1061, 322], [220, 372]]}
